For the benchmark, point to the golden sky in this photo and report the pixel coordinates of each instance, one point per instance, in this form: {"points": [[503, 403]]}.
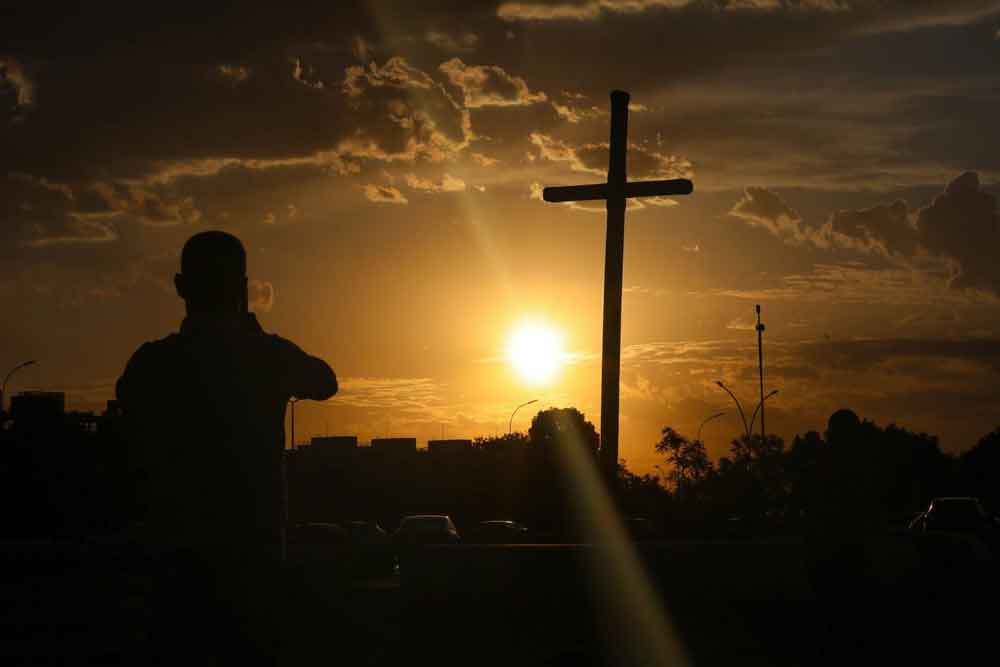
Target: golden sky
{"points": [[382, 164]]}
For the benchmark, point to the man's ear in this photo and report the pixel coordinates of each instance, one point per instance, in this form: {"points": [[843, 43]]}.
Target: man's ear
{"points": [[179, 285]]}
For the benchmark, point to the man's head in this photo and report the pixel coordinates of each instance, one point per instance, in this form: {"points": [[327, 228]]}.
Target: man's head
{"points": [[213, 277]]}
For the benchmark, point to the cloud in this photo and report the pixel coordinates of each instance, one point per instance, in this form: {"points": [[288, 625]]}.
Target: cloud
{"points": [[395, 73], [74, 232], [962, 223], [260, 296], [574, 114], [579, 11], [362, 49], [741, 324], [42, 182], [887, 229], [408, 116], [763, 208], [593, 158], [839, 283], [382, 194], [483, 160], [150, 208], [448, 183], [955, 235], [234, 75], [21, 89], [488, 85], [891, 15], [305, 75], [463, 43], [408, 394]]}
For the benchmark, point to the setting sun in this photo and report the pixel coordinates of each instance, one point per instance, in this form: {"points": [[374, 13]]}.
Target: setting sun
{"points": [[535, 351]]}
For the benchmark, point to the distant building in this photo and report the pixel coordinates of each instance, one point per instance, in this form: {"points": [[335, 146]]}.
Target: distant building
{"points": [[395, 447], [334, 442], [38, 409], [448, 447]]}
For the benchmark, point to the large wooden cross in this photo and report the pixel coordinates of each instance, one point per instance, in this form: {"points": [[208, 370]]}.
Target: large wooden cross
{"points": [[615, 192]]}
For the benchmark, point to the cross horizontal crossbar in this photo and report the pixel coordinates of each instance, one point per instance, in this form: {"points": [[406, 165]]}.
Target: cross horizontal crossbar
{"points": [[675, 186]]}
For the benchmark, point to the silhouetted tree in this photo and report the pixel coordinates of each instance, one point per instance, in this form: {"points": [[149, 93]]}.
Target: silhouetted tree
{"points": [[980, 470], [689, 461], [557, 426]]}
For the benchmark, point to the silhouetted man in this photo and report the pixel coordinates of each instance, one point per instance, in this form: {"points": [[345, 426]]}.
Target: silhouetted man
{"points": [[205, 408]]}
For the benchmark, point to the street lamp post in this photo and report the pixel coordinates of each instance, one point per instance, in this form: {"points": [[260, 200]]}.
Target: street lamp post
{"points": [[510, 424], [743, 416], [760, 407], [3, 387], [293, 401], [760, 359], [706, 420]]}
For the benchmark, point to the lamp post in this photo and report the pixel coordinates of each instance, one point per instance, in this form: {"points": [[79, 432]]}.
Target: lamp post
{"points": [[746, 427], [293, 401], [706, 420], [510, 424], [3, 387], [760, 407], [760, 359]]}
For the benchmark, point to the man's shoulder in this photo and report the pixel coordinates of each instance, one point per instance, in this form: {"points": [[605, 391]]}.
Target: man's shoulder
{"points": [[156, 349]]}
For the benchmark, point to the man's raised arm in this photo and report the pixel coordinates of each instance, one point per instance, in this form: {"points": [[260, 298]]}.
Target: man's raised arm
{"points": [[305, 376]]}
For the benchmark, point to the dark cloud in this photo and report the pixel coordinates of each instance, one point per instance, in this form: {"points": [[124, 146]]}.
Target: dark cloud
{"points": [[962, 224], [643, 163], [886, 228], [959, 230], [762, 208], [489, 85], [867, 354]]}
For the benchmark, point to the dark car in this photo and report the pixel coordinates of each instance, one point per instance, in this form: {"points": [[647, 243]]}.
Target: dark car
{"points": [[955, 515], [422, 529], [372, 548], [499, 532], [367, 532], [317, 532], [318, 546]]}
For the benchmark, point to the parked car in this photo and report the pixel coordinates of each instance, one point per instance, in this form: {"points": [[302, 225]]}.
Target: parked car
{"points": [[317, 532], [422, 529], [372, 547], [499, 532], [367, 532]]}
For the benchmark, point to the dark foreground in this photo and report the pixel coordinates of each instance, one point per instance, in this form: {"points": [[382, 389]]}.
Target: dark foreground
{"points": [[916, 599]]}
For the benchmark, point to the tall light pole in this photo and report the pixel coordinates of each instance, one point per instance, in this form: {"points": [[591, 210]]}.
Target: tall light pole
{"points": [[706, 420], [743, 416], [293, 401], [760, 406], [510, 424], [760, 359], [3, 387]]}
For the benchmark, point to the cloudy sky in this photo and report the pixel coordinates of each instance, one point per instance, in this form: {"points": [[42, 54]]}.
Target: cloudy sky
{"points": [[382, 164]]}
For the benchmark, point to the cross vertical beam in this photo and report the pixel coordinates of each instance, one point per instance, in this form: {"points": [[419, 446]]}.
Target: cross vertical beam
{"points": [[615, 192], [614, 249]]}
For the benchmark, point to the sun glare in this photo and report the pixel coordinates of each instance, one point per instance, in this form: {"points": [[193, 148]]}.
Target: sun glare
{"points": [[535, 351]]}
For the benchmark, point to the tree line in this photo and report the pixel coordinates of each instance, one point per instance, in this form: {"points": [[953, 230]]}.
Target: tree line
{"points": [[854, 476]]}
